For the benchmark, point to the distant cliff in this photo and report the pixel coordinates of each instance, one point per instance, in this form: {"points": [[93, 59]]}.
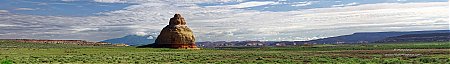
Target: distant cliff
{"points": [[364, 37], [133, 40], [428, 37], [368, 37]]}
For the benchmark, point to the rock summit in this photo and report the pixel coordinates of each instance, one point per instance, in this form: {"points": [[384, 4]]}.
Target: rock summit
{"points": [[176, 35]]}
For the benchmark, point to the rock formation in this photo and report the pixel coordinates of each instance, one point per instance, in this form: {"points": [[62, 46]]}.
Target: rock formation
{"points": [[175, 35]]}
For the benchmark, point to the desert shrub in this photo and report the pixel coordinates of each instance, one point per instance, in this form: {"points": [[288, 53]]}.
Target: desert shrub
{"points": [[394, 61], [433, 60], [7, 62]]}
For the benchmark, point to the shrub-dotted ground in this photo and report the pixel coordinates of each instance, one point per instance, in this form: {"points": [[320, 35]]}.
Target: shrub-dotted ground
{"points": [[425, 52]]}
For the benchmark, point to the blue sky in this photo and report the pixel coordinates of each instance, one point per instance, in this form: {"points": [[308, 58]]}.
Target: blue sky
{"points": [[218, 20], [58, 7]]}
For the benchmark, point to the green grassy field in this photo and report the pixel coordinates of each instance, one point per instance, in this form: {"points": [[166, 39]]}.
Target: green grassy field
{"points": [[419, 52]]}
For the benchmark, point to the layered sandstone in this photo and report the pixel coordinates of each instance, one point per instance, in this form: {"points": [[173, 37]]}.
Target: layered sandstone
{"points": [[176, 35]]}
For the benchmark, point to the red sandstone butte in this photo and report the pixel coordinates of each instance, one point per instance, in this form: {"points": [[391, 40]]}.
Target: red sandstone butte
{"points": [[176, 35]]}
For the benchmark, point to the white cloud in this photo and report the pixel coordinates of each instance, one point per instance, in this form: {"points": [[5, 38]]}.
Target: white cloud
{"points": [[401, 0], [232, 23], [24, 9], [342, 5], [140, 33], [302, 4], [111, 1], [6, 25], [76, 30], [353, 3], [3, 11], [69, 0], [246, 4]]}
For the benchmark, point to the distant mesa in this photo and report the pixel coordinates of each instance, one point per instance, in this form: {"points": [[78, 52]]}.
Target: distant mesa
{"points": [[133, 40], [175, 35], [428, 37], [356, 38], [371, 37]]}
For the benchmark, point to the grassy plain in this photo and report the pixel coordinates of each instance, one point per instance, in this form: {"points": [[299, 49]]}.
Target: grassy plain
{"points": [[388, 53]]}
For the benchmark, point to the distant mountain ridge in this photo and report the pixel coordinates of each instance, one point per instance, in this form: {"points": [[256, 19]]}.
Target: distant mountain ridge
{"points": [[368, 37], [133, 40], [428, 37], [360, 37]]}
